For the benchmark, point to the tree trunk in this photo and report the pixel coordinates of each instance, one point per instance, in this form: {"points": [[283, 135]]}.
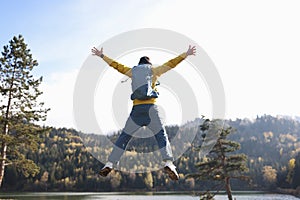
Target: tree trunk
{"points": [[3, 156], [228, 188], [5, 129]]}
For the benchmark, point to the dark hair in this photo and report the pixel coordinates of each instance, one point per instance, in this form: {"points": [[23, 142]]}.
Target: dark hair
{"points": [[144, 60]]}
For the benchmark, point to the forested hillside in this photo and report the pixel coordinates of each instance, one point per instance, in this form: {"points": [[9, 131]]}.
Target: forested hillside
{"points": [[68, 160]]}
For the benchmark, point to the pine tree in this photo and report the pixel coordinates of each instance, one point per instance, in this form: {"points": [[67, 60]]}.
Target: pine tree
{"points": [[220, 164], [19, 108]]}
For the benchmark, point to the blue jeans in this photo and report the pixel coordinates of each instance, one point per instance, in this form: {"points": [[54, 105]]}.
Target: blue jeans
{"points": [[143, 115]]}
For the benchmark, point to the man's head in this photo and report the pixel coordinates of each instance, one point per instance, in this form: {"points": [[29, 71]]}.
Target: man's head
{"points": [[144, 60]]}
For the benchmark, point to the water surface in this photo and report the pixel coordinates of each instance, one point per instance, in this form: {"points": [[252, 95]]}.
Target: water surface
{"points": [[134, 196]]}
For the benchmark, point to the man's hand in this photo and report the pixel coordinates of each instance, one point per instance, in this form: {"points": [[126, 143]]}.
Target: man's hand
{"points": [[96, 52], [191, 50]]}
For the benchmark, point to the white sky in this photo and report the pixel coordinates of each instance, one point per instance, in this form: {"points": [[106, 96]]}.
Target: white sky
{"points": [[255, 46]]}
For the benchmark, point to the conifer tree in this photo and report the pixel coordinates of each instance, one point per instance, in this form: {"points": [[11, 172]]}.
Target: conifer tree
{"points": [[221, 164], [19, 108]]}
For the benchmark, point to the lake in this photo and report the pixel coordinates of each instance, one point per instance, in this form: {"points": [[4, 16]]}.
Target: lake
{"points": [[134, 196]]}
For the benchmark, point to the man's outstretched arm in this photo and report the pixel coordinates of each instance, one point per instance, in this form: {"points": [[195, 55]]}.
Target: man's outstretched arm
{"points": [[120, 67], [174, 62]]}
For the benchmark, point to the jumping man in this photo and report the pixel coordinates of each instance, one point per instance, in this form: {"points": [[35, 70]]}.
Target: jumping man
{"points": [[144, 111]]}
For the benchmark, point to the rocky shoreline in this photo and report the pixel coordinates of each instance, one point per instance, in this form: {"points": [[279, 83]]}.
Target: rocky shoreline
{"points": [[294, 192]]}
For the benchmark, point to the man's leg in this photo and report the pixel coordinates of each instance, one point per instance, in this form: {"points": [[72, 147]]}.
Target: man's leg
{"points": [[156, 125], [164, 145], [120, 145], [116, 153]]}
